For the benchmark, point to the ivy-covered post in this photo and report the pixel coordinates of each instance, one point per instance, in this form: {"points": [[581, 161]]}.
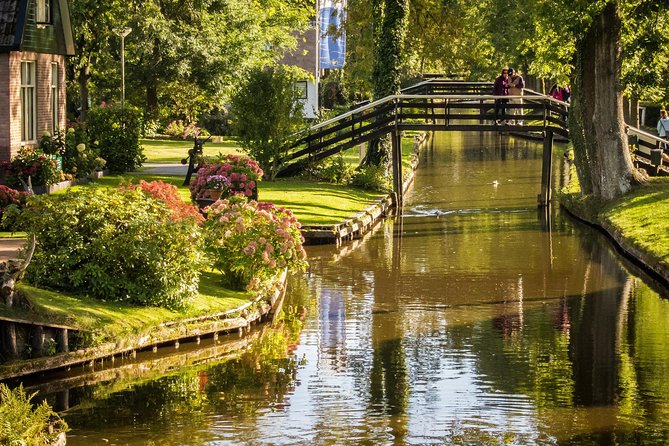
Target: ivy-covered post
{"points": [[390, 23]]}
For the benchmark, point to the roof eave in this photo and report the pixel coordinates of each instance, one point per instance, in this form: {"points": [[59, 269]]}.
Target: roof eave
{"points": [[67, 27]]}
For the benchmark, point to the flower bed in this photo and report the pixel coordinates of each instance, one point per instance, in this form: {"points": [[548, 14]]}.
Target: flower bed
{"points": [[250, 242], [29, 162], [231, 175]]}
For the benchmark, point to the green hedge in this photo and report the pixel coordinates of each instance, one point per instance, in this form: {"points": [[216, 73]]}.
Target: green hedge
{"points": [[113, 244], [115, 134]]}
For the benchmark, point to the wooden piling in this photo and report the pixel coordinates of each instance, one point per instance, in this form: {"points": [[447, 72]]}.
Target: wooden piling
{"points": [[396, 161], [37, 340], [546, 169], [62, 341], [9, 348]]}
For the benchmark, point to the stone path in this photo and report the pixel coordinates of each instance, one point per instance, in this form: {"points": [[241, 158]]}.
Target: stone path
{"points": [[9, 247], [164, 169]]}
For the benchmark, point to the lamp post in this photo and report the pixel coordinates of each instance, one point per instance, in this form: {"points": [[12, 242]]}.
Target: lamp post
{"points": [[123, 32]]}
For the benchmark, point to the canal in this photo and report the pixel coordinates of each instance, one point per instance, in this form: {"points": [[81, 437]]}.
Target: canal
{"points": [[471, 319]]}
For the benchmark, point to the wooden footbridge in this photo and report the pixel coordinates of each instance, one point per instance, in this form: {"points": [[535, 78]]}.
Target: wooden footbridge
{"points": [[442, 105]]}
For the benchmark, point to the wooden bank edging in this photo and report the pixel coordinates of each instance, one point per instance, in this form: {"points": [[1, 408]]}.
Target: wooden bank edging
{"points": [[641, 258], [237, 320], [361, 223]]}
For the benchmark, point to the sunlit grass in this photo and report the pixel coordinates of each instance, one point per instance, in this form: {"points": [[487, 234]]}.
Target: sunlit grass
{"points": [[112, 319], [172, 152], [641, 217], [316, 203]]}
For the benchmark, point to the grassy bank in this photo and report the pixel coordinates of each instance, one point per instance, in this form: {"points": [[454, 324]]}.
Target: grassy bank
{"points": [[113, 320], [640, 217]]}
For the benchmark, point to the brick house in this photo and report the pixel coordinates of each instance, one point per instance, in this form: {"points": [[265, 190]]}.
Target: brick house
{"points": [[306, 57], [35, 38]]}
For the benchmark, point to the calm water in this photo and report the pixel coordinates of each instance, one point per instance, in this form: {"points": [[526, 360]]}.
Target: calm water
{"points": [[472, 319]]}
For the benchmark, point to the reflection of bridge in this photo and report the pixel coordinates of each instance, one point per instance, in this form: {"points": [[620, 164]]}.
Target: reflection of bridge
{"points": [[443, 105]]}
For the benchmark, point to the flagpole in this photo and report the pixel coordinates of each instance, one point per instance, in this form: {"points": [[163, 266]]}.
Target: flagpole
{"points": [[318, 54]]}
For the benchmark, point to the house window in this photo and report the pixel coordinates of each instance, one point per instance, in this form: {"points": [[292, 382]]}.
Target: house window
{"points": [[301, 87], [43, 13], [28, 129], [54, 97]]}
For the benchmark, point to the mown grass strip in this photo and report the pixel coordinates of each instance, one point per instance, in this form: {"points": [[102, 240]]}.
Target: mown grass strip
{"points": [[110, 320]]}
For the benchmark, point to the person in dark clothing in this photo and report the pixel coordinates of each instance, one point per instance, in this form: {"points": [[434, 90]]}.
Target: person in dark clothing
{"points": [[501, 88]]}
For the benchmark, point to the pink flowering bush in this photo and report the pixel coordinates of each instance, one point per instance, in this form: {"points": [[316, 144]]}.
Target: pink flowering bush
{"points": [[251, 242], [232, 175]]}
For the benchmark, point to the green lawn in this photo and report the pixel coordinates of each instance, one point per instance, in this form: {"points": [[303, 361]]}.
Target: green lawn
{"points": [[168, 151], [312, 203], [641, 217]]}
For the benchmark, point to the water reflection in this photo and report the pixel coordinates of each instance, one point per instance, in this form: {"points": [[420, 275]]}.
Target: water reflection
{"points": [[472, 319]]}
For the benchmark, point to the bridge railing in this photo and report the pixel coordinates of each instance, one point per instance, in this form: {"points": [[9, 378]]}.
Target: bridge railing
{"points": [[650, 151], [424, 110]]}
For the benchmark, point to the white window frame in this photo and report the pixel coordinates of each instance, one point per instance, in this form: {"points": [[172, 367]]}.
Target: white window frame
{"points": [[43, 11], [28, 102], [303, 88], [55, 96]]}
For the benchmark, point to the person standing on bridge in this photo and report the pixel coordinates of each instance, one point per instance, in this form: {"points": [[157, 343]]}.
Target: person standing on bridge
{"points": [[501, 88], [663, 125], [516, 86]]}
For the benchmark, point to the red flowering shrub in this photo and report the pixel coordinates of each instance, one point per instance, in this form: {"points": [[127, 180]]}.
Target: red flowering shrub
{"points": [[232, 175], [251, 242], [169, 195], [29, 162], [9, 197]]}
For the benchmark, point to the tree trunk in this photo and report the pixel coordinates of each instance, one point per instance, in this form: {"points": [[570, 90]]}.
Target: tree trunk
{"points": [[603, 161], [84, 74], [626, 109], [634, 112], [151, 99]]}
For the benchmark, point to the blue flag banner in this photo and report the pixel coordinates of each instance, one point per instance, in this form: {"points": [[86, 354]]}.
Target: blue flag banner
{"points": [[332, 37]]}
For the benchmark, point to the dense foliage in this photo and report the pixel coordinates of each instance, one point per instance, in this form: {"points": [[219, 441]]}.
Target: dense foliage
{"points": [[23, 423], [230, 175], [10, 197], [119, 245], [182, 58], [115, 134], [267, 110], [251, 242], [78, 158]]}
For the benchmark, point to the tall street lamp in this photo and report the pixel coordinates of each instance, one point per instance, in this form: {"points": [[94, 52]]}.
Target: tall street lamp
{"points": [[123, 32]]}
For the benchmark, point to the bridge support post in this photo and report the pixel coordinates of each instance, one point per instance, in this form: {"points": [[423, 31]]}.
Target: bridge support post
{"points": [[546, 169], [396, 138]]}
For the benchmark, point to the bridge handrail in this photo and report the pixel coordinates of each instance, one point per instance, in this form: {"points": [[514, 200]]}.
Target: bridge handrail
{"points": [[419, 96], [637, 131]]}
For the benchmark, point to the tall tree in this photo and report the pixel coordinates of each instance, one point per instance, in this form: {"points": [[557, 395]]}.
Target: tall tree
{"points": [[197, 47], [94, 24], [589, 51]]}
